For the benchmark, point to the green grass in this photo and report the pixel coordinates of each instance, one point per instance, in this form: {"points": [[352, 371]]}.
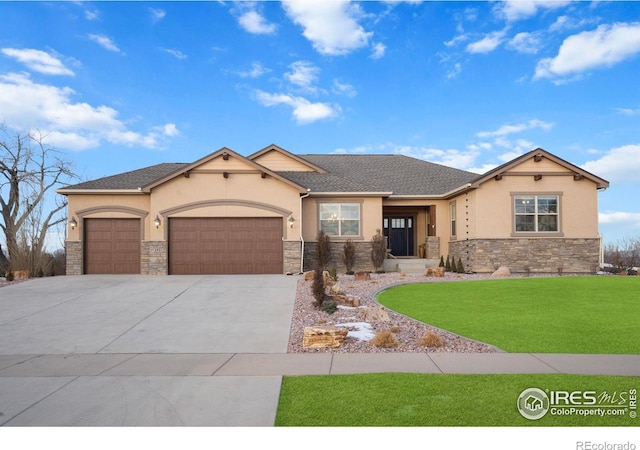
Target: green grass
{"points": [[543, 315], [434, 400]]}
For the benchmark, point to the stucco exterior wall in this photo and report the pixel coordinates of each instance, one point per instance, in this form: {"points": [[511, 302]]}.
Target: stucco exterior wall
{"points": [[277, 161]]}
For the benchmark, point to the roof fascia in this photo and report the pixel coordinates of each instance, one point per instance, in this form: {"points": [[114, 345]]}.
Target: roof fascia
{"points": [[64, 191], [222, 151], [284, 152], [539, 152], [350, 194]]}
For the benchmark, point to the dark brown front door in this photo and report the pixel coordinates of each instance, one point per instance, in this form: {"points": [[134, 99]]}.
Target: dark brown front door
{"points": [[225, 245], [112, 246]]}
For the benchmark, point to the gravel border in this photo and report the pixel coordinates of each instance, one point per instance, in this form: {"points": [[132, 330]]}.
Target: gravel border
{"points": [[408, 332]]}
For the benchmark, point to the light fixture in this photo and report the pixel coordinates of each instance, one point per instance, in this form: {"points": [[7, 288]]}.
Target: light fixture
{"points": [[157, 221], [291, 221], [73, 223]]}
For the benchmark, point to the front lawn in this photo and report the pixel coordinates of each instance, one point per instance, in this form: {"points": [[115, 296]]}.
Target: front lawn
{"points": [[441, 400], [531, 315]]}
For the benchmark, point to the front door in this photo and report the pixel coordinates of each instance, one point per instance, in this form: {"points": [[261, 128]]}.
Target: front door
{"points": [[399, 233]]}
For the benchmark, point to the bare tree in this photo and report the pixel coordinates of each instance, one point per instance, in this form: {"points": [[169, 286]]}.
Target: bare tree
{"points": [[623, 255], [29, 171]]}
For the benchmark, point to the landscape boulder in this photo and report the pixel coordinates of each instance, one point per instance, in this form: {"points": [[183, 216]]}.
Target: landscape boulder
{"points": [[502, 272], [434, 272], [346, 300], [324, 337], [362, 276], [375, 314]]}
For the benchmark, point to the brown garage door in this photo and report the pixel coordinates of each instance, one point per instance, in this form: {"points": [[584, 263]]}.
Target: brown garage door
{"points": [[224, 245], [111, 246]]}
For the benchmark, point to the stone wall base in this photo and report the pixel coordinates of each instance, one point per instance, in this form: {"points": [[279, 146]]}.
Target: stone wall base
{"points": [[363, 256], [529, 255], [154, 258], [291, 256], [432, 245], [74, 257]]}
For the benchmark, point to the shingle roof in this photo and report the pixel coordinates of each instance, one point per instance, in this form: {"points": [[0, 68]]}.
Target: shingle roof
{"points": [[399, 174], [130, 180]]}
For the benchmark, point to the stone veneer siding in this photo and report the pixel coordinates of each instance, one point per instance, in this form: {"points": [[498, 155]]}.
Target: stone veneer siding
{"points": [[154, 259], [363, 256], [432, 247], [74, 257], [291, 256], [529, 255]]}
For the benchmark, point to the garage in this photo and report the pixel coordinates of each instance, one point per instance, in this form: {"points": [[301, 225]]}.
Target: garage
{"points": [[112, 246], [225, 245]]}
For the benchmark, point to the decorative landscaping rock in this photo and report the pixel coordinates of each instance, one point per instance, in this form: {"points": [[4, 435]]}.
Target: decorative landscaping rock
{"points": [[502, 272], [335, 290], [323, 337], [434, 272], [362, 276], [375, 314], [346, 300], [309, 276], [328, 281]]}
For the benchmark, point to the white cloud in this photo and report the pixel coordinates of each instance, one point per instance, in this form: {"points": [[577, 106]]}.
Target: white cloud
{"points": [[627, 111], [304, 75], [157, 14], [378, 50], [253, 22], [304, 111], [344, 89], [456, 40], [331, 26], [526, 43], [517, 128], [38, 61], [256, 71], [487, 44], [68, 124], [619, 165], [619, 217], [104, 42], [175, 53], [91, 14], [602, 47], [454, 70], [513, 10]]}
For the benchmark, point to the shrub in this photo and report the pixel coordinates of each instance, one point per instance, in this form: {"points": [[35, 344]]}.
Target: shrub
{"points": [[323, 250], [447, 265], [329, 306], [378, 250], [431, 339], [333, 273], [349, 255], [318, 287], [384, 339], [441, 261], [460, 268], [9, 276]]}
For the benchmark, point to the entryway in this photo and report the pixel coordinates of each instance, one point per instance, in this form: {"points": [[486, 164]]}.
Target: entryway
{"points": [[399, 231]]}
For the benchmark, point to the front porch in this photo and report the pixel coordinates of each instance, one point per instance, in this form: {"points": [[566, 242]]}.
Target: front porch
{"points": [[410, 231], [409, 265]]}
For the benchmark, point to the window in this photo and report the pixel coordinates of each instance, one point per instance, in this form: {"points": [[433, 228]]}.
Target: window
{"points": [[452, 206], [536, 213], [340, 219]]}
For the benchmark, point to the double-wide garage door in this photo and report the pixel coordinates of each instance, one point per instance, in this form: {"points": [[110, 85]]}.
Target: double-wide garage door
{"points": [[224, 245]]}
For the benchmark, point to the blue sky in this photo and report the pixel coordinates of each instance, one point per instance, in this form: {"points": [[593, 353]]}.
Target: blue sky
{"points": [[123, 85]]}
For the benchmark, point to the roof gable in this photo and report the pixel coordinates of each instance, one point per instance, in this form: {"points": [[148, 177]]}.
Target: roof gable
{"points": [[279, 159], [539, 161]]}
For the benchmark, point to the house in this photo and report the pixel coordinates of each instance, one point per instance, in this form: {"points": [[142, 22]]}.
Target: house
{"points": [[227, 213]]}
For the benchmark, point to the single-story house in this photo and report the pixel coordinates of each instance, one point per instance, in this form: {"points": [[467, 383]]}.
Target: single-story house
{"points": [[227, 213]]}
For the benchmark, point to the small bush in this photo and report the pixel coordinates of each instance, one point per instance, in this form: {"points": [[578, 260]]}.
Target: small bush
{"points": [[9, 276], [432, 340], [378, 250], [333, 273], [460, 268], [323, 250], [384, 339], [447, 265], [441, 261], [318, 288], [329, 306], [349, 255]]}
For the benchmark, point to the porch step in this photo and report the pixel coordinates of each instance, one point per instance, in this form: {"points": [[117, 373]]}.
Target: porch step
{"points": [[416, 265]]}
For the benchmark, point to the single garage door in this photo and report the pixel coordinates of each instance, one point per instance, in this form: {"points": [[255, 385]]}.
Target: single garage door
{"points": [[111, 246], [224, 245]]}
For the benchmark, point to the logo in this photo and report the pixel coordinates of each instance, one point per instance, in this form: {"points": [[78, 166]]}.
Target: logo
{"points": [[533, 403]]}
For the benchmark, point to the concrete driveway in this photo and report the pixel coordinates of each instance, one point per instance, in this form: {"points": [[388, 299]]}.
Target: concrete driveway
{"points": [[140, 350]]}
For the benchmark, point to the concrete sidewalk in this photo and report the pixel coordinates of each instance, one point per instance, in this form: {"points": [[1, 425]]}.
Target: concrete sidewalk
{"points": [[224, 389]]}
